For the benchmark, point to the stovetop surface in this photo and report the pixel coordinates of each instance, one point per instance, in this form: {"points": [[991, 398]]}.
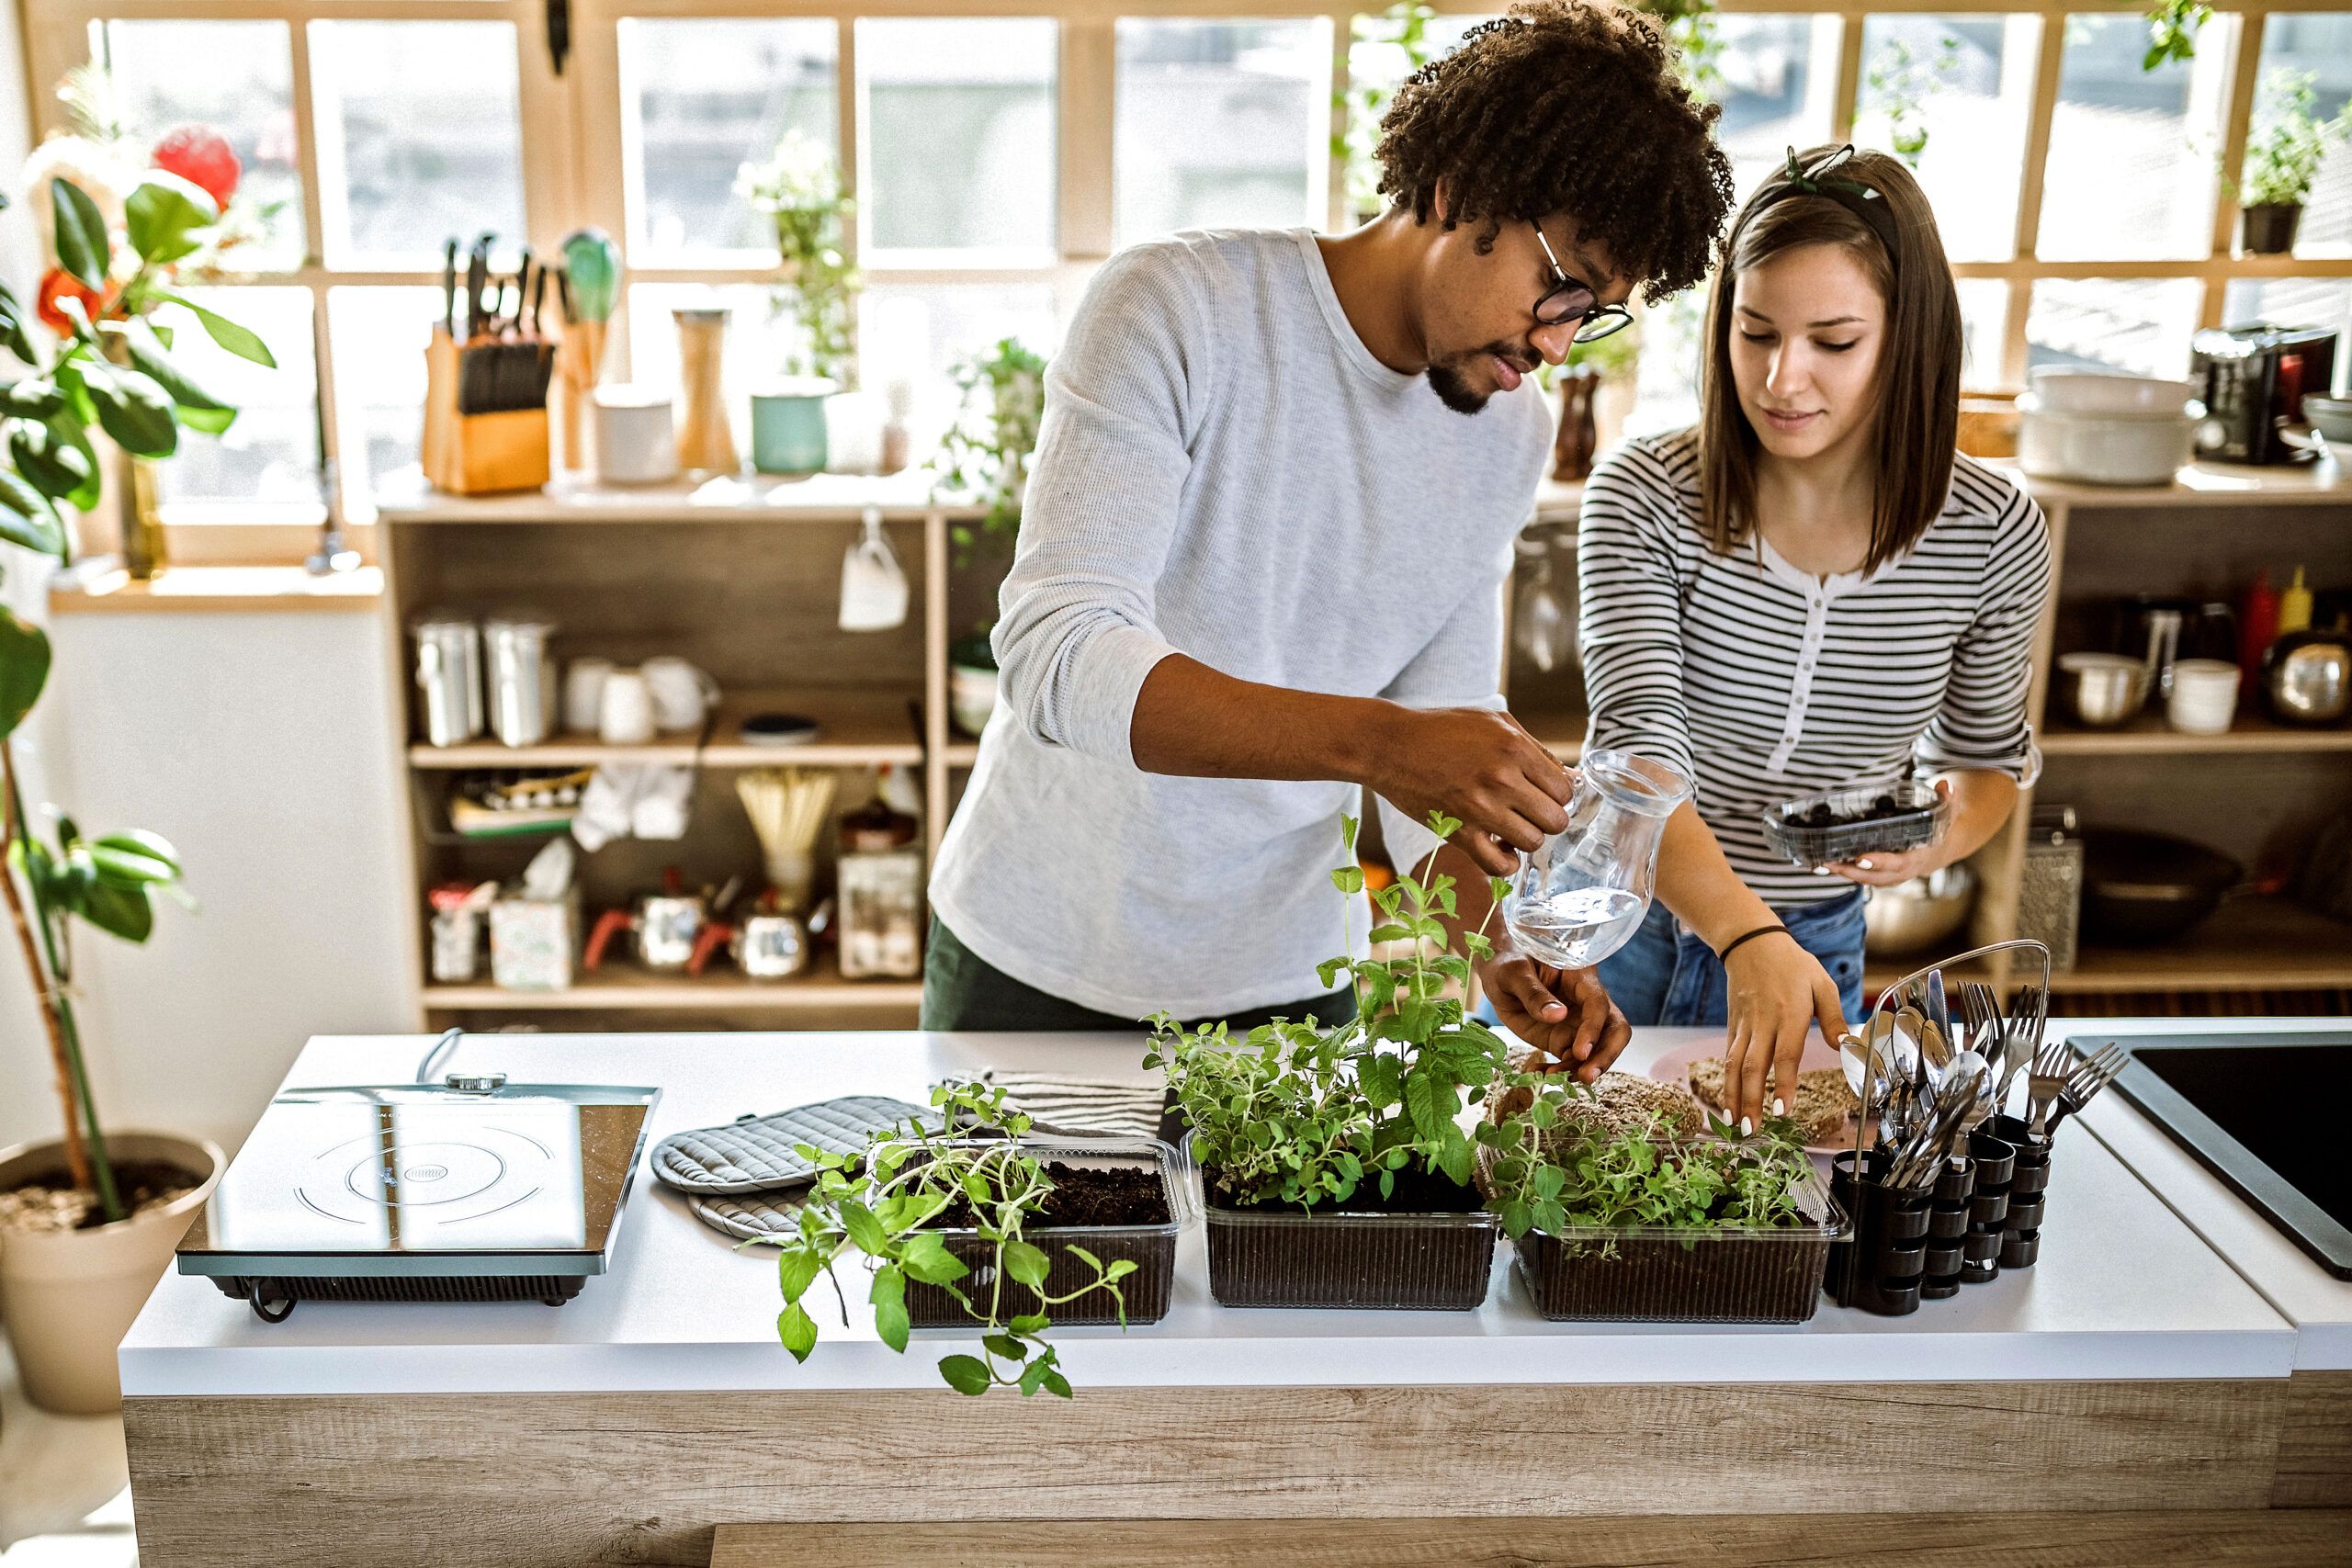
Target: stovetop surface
{"points": [[376, 1172]]}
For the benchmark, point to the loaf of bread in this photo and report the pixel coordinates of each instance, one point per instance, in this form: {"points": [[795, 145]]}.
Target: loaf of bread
{"points": [[1821, 1106]]}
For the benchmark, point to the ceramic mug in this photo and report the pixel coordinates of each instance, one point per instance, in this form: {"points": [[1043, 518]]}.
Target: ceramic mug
{"points": [[625, 709], [583, 694], [2204, 695], [682, 693], [636, 442]]}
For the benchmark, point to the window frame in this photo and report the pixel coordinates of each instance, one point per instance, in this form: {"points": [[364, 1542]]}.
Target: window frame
{"points": [[575, 173]]}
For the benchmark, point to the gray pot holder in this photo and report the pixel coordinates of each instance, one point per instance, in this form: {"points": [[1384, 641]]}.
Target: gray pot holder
{"points": [[756, 1154], [750, 1216]]}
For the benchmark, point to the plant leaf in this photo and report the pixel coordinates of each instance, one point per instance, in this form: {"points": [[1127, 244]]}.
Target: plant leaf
{"points": [[889, 1294], [81, 247], [27, 519], [240, 341], [195, 406], [57, 464], [1057, 1385], [1026, 1264], [136, 411], [925, 1258], [129, 869], [163, 213], [23, 669], [964, 1374], [1028, 1323], [864, 1231], [13, 336], [797, 1269], [138, 841], [797, 1330], [123, 912]]}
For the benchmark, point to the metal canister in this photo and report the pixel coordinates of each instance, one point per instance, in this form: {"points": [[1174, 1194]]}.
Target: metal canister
{"points": [[667, 925], [449, 679], [521, 680], [772, 947]]}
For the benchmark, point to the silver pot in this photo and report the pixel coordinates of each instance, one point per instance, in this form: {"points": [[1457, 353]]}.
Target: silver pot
{"points": [[1917, 915], [2313, 683], [772, 947], [2105, 689]]}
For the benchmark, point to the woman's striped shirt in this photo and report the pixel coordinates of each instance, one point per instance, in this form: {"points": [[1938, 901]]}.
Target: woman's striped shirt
{"points": [[1765, 683]]}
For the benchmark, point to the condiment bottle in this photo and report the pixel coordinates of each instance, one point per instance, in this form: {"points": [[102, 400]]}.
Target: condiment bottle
{"points": [[2295, 606], [2257, 626]]}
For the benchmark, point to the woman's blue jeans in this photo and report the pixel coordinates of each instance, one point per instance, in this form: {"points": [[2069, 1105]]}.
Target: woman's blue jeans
{"points": [[1663, 976]]}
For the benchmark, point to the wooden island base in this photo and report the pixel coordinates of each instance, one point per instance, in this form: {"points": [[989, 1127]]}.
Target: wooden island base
{"points": [[2124, 1471]]}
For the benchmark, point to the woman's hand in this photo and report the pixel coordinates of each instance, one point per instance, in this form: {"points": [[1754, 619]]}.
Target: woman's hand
{"points": [[1778, 991], [1894, 869], [1564, 1014]]}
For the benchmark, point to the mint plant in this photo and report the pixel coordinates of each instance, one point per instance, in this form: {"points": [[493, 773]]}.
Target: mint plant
{"points": [[1300, 1114], [883, 1203], [1544, 1173]]}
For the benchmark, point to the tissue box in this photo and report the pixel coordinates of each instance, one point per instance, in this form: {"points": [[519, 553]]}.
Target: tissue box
{"points": [[532, 943]]}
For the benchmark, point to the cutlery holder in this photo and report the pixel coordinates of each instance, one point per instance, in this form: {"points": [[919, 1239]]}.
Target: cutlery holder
{"points": [[1882, 1268], [1994, 1161], [1946, 1223], [2029, 1193]]}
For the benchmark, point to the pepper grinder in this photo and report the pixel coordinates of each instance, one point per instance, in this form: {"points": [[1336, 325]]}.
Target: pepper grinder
{"points": [[706, 443]]}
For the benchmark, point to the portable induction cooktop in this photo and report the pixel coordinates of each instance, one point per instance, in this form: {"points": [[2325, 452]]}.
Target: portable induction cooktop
{"points": [[469, 1191]]}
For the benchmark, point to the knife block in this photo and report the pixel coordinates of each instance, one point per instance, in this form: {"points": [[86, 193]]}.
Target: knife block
{"points": [[477, 454]]}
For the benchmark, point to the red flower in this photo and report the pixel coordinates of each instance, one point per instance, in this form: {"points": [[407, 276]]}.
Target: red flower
{"points": [[202, 157], [59, 284]]}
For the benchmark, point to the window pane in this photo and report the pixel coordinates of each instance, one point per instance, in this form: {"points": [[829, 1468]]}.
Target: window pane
{"points": [[2130, 173], [2319, 43], [2296, 302], [1221, 124], [238, 78], [1983, 330], [1763, 71], [917, 334], [700, 99], [959, 133], [1961, 85], [420, 137], [271, 453], [1378, 64], [379, 336], [2141, 325]]}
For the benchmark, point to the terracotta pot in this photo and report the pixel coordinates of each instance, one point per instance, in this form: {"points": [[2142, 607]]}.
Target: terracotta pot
{"points": [[68, 1297]]}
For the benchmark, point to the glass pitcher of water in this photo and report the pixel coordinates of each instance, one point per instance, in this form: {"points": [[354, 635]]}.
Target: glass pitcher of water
{"points": [[1580, 898]]}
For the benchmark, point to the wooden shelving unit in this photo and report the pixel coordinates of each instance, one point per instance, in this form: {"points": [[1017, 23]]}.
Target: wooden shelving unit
{"points": [[623, 985], [855, 729], [2149, 736]]}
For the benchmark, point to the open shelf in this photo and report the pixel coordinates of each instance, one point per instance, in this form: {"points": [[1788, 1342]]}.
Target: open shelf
{"points": [[2149, 735], [2325, 482], [855, 728], [745, 498], [622, 985], [2256, 943]]}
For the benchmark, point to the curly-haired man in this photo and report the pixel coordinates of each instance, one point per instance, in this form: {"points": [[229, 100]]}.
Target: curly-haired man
{"points": [[1261, 555]]}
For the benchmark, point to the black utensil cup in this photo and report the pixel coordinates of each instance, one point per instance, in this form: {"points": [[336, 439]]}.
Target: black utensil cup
{"points": [[1947, 1225], [1993, 1160], [2029, 1193], [1881, 1266]]}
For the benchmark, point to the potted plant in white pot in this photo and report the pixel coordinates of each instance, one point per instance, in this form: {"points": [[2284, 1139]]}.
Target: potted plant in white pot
{"points": [[89, 1220], [799, 189], [1001, 402], [2283, 155]]}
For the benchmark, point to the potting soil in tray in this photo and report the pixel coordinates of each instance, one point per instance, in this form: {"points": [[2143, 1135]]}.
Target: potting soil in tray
{"points": [[1430, 1248], [1697, 1277], [1114, 1212]]}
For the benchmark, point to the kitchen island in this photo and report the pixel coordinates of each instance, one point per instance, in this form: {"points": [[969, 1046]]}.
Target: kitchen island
{"points": [[2131, 1396]]}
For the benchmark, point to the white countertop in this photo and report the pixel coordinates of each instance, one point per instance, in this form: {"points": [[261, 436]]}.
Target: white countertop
{"points": [[2123, 1289], [2317, 1303]]}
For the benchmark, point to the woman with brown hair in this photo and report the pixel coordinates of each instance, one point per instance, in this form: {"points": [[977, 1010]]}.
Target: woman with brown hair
{"points": [[1808, 591]]}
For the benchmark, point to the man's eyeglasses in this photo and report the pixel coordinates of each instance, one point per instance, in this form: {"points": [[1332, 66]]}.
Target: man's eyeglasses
{"points": [[1573, 299]]}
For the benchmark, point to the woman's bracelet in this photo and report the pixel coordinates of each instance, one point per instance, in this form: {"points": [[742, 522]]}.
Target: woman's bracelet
{"points": [[1733, 945]]}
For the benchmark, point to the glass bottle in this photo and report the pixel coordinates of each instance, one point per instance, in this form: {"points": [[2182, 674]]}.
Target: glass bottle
{"points": [[1581, 895]]}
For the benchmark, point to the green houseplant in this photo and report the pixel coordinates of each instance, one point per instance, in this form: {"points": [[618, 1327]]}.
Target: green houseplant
{"points": [[894, 1202], [2284, 150], [1319, 1145], [799, 191], [1001, 404], [70, 1286], [1898, 84]]}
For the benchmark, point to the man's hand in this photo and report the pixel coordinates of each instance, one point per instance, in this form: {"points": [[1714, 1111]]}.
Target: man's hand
{"points": [[1564, 1014], [1777, 991], [1480, 767]]}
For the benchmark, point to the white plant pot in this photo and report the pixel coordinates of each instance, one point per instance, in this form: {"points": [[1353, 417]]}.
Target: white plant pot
{"points": [[68, 1297], [971, 698]]}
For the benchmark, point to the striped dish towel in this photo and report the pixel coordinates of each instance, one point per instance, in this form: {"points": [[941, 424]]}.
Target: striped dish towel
{"points": [[1080, 1107]]}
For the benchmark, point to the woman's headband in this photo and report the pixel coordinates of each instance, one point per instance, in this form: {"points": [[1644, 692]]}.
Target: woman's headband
{"points": [[1865, 202]]}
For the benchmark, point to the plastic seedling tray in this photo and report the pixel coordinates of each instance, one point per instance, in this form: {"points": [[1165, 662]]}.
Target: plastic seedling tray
{"points": [[1681, 1274], [1823, 830], [1349, 1258], [1150, 1247]]}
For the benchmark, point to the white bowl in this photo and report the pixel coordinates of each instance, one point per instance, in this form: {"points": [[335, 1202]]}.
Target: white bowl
{"points": [[2106, 449], [2065, 390], [2331, 417]]}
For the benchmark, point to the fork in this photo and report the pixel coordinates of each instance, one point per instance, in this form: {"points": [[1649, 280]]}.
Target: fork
{"points": [[2045, 1081], [2088, 1078]]}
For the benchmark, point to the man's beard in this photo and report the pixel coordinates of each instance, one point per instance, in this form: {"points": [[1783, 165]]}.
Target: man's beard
{"points": [[1453, 387]]}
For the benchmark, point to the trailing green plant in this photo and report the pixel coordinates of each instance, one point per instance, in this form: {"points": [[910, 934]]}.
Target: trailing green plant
{"points": [[799, 189], [2288, 141], [1383, 50], [2173, 26], [1301, 1114], [999, 403], [883, 1203], [1549, 1170], [108, 367], [1899, 84]]}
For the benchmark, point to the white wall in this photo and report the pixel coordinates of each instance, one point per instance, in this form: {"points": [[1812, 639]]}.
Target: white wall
{"points": [[260, 744]]}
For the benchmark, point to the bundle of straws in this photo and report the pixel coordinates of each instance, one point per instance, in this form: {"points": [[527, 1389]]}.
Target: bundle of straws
{"points": [[787, 807]]}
